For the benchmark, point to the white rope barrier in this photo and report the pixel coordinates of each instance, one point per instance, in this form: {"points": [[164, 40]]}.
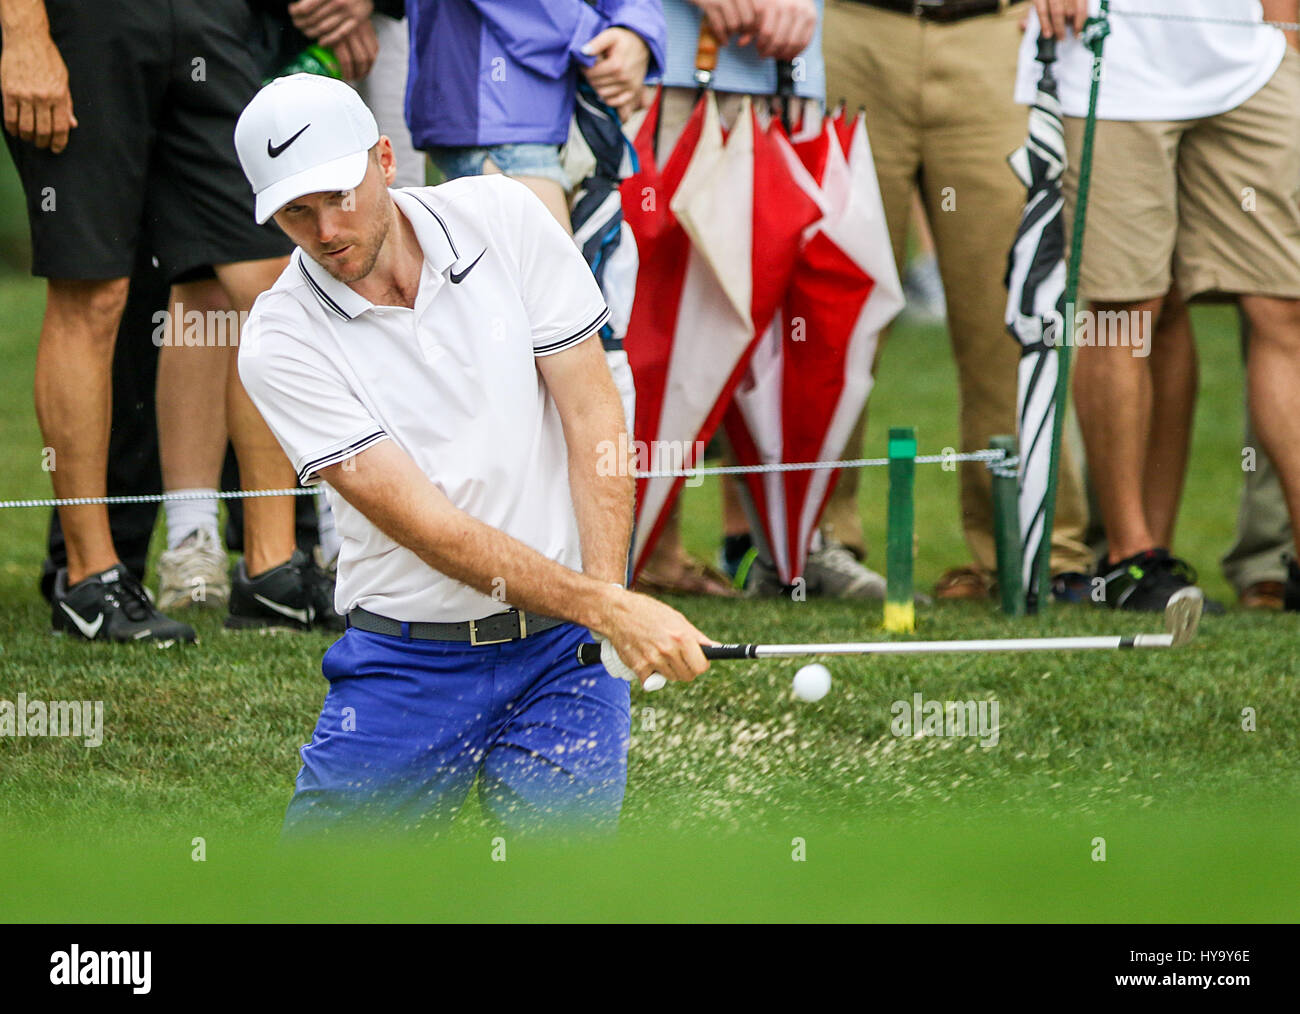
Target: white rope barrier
{"points": [[990, 457]]}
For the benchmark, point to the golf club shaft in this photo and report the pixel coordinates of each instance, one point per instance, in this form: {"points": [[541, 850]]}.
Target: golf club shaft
{"points": [[589, 654]]}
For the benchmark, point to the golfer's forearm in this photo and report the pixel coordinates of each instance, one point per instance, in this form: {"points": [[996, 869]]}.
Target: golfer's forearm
{"points": [[496, 564], [602, 501], [20, 18]]}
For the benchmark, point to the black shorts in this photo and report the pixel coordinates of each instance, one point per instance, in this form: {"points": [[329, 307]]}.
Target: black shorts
{"points": [[157, 86]]}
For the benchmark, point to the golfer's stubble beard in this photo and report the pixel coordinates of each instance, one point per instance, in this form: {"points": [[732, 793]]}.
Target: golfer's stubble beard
{"points": [[368, 246]]}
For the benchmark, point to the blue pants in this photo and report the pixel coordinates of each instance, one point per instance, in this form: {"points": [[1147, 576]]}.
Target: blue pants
{"points": [[408, 725]]}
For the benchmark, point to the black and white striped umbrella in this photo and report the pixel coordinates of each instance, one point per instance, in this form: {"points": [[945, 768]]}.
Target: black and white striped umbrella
{"points": [[1036, 282]]}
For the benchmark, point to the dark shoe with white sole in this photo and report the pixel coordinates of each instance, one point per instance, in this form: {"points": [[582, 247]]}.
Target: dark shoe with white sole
{"points": [[112, 606], [278, 598], [1145, 582]]}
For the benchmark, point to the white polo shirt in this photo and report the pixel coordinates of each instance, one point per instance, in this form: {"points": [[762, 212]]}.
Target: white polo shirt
{"points": [[454, 382], [1156, 69]]}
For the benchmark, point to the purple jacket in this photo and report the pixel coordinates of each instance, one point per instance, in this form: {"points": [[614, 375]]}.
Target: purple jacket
{"points": [[486, 72]]}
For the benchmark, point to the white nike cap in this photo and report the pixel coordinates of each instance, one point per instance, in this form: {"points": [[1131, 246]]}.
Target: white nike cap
{"points": [[303, 134]]}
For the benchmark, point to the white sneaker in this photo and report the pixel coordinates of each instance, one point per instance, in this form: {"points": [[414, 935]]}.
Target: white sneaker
{"points": [[195, 573]]}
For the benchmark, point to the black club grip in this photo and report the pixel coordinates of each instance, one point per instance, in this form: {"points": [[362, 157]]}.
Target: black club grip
{"points": [[589, 654]]}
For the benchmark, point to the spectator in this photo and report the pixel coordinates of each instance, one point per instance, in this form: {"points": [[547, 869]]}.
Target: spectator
{"points": [[936, 83], [370, 47], [1256, 564], [150, 160], [524, 82], [1191, 115]]}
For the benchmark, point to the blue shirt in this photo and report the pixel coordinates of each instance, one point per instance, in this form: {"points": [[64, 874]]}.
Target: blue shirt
{"points": [[486, 72], [740, 69]]}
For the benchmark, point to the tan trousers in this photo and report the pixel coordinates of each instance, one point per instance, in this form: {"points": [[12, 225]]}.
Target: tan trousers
{"points": [[940, 114]]}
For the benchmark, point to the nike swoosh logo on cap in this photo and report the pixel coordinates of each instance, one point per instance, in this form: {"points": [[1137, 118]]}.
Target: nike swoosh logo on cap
{"points": [[301, 615], [456, 279], [87, 629], [276, 150]]}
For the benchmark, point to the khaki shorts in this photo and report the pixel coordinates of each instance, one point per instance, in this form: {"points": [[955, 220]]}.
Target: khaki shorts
{"points": [[1210, 203]]}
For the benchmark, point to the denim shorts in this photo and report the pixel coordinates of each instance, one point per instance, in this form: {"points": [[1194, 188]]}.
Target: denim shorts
{"points": [[531, 159]]}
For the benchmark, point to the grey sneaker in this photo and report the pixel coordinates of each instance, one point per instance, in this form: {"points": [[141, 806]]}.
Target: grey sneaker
{"points": [[762, 582], [832, 572], [195, 573]]}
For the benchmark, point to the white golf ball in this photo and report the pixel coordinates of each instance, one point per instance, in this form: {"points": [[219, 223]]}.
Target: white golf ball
{"points": [[812, 682], [654, 682]]}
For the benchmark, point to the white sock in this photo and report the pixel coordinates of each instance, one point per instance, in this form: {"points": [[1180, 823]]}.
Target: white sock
{"points": [[184, 516], [330, 542]]}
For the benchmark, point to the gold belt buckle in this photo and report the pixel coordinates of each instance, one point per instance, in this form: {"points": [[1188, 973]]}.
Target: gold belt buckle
{"points": [[473, 632]]}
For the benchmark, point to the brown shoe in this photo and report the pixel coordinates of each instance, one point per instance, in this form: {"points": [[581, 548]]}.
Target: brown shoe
{"points": [[687, 577], [1265, 595], [968, 583]]}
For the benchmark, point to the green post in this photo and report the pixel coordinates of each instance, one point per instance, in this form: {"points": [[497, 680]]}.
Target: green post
{"points": [[900, 608], [1006, 527], [1094, 37]]}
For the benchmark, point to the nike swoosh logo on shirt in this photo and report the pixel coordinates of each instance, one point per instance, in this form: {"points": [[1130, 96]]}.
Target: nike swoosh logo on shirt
{"points": [[276, 150], [89, 630], [456, 279], [301, 615]]}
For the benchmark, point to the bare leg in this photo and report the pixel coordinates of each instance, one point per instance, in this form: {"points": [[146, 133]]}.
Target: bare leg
{"points": [[74, 405], [1113, 396], [1273, 377], [1173, 371], [268, 521], [548, 192], [192, 395]]}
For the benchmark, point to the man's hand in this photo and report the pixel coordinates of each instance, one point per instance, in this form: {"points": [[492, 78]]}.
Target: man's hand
{"points": [[731, 17], [785, 27], [1056, 15], [356, 51], [329, 22], [34, 83], [651, 637], [622, 58]]}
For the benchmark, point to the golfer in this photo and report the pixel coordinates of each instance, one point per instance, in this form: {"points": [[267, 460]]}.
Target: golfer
{"points": [[428, 354]]}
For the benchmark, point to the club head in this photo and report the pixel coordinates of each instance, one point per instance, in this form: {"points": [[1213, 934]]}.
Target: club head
{"points": [[1183, 613]]}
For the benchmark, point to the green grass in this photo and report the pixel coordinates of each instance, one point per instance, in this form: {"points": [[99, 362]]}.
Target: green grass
{"points": [[1145, 749]]}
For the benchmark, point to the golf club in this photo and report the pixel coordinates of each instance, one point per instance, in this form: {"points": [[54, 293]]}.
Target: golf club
{"points": [[1182, 615]]}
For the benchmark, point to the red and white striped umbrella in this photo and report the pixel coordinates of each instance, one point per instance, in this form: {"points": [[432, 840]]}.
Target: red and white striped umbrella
{"points": [[686, 343], [810, 374]]}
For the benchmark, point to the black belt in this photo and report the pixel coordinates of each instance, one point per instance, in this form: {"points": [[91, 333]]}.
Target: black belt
{"points": [[941, 10], [512, 625]]}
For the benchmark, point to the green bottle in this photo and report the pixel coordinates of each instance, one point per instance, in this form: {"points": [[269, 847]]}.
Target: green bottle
{"points": [[313, 60]]}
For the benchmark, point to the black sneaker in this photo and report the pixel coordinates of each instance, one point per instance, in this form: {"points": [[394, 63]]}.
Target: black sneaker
{"points": [[1146, 581], [319, 582], [1291, 592], [112, 606], [278, 598]]}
